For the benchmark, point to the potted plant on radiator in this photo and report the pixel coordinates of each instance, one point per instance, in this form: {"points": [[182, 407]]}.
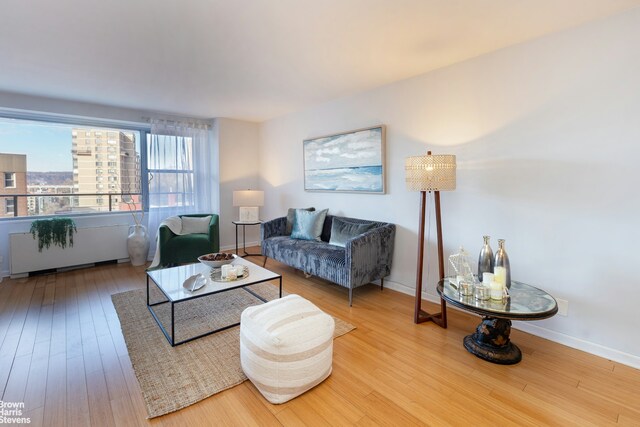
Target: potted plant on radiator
{"points": [[56, 231]]}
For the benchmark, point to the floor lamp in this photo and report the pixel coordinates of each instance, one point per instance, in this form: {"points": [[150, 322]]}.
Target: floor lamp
{"points": [[426, 174]]}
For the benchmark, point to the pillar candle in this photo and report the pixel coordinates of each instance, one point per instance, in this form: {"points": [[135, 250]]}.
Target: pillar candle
{"points": [[487, 278], [225, 270], [496, 290], [500, 275]]}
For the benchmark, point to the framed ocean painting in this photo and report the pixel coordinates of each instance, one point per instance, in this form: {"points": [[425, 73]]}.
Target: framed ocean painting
{"points": [[346, 162]]}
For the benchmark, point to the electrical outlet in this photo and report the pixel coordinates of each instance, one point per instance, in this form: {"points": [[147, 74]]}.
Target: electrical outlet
{"points": [[563, 307]]}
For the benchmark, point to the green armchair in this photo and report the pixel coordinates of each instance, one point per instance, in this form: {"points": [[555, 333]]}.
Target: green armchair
{"points": [[177, 249]]}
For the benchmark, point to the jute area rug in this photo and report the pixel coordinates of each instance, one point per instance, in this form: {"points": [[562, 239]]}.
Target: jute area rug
{"points": [[172, 378]]}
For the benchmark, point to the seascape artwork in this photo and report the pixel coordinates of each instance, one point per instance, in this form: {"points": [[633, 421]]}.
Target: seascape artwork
{"points": [[351, 162]]}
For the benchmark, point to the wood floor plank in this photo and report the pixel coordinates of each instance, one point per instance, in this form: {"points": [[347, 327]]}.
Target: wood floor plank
{"points": [[30, 325], [55, 407], [78, 408], [100, 412], [577, 402], [7, 357], [37, 378], [36, 417], [382, 411], [132, 384], [62, 351], [542, 412], [17, 383], [247, 409]]}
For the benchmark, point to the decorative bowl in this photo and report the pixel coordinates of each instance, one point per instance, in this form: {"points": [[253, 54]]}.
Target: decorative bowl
{"points": [[215, 264]]}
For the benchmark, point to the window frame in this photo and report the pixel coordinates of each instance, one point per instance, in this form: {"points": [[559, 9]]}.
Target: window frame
{"points": [[108, 126], [6, 206], [13, 179], [175, 171]]}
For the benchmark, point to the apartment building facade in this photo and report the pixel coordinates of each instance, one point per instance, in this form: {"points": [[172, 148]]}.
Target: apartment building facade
{"points": [[104, 162], [13, 181]]}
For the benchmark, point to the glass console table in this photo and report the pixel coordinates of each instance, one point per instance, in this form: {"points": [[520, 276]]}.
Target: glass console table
{"points": [[491, 340]]}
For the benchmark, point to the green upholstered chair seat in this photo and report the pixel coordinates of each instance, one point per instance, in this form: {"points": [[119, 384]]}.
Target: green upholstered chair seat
{"points": [[179, 249]]}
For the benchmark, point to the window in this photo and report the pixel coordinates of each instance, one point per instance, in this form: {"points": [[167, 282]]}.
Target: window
{"points": [[60, 157], [9, 206], [170, 171], [9, 180]]}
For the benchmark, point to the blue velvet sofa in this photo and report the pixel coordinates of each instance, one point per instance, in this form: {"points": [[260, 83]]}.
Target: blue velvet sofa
{"points": [[364, 258]]}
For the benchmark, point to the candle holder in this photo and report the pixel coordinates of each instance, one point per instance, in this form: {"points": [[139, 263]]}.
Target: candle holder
{"points": [[482, 293], [465, 288]]}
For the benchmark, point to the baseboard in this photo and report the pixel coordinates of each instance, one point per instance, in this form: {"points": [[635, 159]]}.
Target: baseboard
{"points": [[232, 248], [533, 329]]}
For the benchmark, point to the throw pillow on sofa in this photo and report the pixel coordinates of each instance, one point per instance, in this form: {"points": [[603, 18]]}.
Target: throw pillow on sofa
{"points": [[341, 231], [195, 225], [291, 214], [307, 225]]}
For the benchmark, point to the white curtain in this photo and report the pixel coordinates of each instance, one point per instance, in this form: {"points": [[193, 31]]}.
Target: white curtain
{"points": [[183, 172]]}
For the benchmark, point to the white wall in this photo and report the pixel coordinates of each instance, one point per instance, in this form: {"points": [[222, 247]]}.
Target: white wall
{"points": [[238, 145], [547, 138]]}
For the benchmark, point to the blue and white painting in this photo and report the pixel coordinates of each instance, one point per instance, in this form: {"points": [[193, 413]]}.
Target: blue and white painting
{"points": [[352, 161]]}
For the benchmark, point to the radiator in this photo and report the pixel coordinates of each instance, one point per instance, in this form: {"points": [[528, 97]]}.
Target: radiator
{"points": [[90, 245]]}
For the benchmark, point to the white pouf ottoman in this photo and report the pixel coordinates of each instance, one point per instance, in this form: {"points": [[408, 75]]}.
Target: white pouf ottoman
{"points": [[286, 347]]}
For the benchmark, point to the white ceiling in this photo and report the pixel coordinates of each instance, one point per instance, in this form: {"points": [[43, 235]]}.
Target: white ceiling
{"points": [[255, 59]]}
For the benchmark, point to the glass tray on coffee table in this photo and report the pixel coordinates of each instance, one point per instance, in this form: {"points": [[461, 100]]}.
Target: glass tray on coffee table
{"points": [[216, 275]]}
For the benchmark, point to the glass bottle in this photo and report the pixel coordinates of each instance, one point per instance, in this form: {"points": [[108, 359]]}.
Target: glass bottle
{"points": [[502, 260], [485, 260]]}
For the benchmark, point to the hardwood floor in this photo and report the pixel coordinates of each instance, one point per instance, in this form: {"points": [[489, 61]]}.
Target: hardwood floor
{"points": [[62, 353]]}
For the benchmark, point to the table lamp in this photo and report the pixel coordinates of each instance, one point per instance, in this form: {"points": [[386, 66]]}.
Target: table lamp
{"points": [[249, 202], [426, 174]]}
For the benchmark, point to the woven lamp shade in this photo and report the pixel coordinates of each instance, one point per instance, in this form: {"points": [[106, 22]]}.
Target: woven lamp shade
{"points": [[431, 172]]}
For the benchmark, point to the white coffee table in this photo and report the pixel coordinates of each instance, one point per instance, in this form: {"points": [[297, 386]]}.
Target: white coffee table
{"points": [[170, 280]]}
